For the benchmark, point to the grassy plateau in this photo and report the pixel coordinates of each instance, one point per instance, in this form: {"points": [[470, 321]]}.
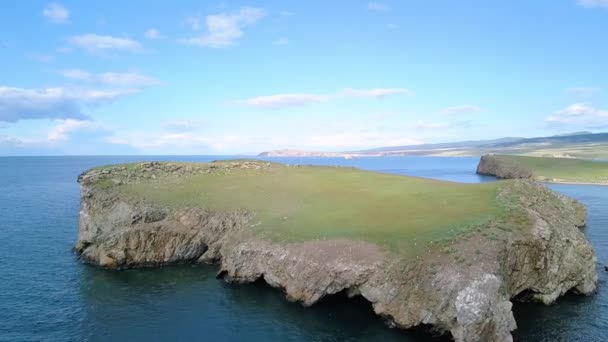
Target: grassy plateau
{"points": [[565, 170], [296, 203]]}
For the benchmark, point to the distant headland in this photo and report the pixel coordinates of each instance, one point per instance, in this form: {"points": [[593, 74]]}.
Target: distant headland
{"points": [[552, 170], [575, 145]]}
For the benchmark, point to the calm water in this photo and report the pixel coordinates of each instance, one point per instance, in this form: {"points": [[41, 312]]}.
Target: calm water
{"points": [[47, 294]]}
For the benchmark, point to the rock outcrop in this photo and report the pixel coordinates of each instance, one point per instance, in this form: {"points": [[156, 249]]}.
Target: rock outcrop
{"points": [[464, 287], [490, 165]]}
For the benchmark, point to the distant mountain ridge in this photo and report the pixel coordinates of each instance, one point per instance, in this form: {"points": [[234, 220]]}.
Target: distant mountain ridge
{"points": [[574, 145]]}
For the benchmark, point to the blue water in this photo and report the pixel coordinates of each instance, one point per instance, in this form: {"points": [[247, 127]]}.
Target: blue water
{"points": [[47, 294]]}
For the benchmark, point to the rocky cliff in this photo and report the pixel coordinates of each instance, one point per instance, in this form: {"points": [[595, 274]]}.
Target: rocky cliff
{"points": [[462, 287], [491, 165]]}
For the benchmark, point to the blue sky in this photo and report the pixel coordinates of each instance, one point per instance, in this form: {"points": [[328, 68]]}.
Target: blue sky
{"points": [[206, 77]]}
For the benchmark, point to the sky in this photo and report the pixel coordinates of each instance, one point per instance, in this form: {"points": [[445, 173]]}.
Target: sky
{"points": [[212, 77]]}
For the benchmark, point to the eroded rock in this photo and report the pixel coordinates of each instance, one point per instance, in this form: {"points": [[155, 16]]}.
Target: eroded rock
{"points": [[470, 300]]}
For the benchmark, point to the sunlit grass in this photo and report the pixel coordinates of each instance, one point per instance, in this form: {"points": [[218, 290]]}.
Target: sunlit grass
{"points": [[562, 169], [309, 203]]}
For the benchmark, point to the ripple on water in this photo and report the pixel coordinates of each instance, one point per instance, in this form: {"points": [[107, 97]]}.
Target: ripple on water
{"points": [[46, 294]]}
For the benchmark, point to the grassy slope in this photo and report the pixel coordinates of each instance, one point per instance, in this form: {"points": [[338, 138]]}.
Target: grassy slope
{"points": [[582, 151], [302, 203], [561, 169]]}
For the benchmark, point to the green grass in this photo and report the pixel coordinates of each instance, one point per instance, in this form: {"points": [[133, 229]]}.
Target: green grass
{"points": [[581, 151], [309, 203], [562, 169]]}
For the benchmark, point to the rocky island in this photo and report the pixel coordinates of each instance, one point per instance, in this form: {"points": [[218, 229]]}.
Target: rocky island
{"points": [[544, 169], [422, 252]]}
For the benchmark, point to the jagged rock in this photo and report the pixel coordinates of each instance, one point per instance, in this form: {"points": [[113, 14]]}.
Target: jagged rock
{"points": [[490, 165], [471, 301]]}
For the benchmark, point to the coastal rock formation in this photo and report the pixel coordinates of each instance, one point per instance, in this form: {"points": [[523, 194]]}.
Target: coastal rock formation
{"points": [[490, 165], [463, 287]]}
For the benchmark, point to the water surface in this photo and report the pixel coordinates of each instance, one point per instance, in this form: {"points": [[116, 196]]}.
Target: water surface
{"points": [[47, 294]]}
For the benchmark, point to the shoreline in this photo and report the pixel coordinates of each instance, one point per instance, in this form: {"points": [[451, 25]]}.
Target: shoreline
{"points": [[470, 273], [573, 183]]}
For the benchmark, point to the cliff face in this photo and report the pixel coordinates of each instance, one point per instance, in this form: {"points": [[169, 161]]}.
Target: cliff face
{"points": [[465, 288], [490, 165]]}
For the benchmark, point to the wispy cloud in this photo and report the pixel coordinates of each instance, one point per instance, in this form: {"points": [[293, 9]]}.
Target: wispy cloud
{"points": [[20, 104], [53, 103], [584, 92], [71, 102], [94, 43], [61, 131], [223, 30], [377, 6], [56, 13], [57, 134], [284, 100], [180, 126], [460, 109], [578, 115], [303, 99], [593, 3], [132, 80], [152, 33], [176, 141], [428, 125]]}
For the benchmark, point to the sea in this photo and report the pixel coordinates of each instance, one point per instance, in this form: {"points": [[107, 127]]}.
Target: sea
{"points": [[48, 294]]}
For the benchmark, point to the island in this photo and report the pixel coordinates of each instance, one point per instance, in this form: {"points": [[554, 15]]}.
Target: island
{"points": [[545, 169], [423, 252]]}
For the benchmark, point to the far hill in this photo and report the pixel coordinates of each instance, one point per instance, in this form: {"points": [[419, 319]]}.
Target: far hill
{"points": [[575, 145]]}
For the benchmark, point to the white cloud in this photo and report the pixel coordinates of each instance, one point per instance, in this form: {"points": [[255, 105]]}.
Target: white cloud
{"points": [[223, 30], [194, 22], [56, 13], [18, 104], [577, 109], [152, 33], [460, 109], [356, 140], [178, 126], [303, 99], [578, 115], [593, 3], [176, 142], [427, 125], [53, 103], [311, 136], [377, 6], [94, 43], [76, 74], [131, 80], [284, 100], [60, 132]]}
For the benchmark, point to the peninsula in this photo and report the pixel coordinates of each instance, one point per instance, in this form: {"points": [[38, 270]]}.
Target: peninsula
{"points": [[422, 252], [582, 145], [552, 170]]}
